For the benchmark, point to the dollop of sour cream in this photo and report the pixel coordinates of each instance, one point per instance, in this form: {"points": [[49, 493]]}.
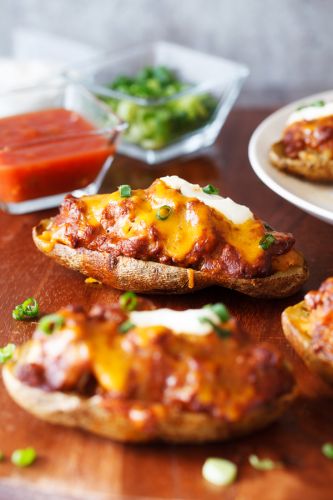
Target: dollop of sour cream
{"points": [[238, 214], [180, 322], [311, 112]]}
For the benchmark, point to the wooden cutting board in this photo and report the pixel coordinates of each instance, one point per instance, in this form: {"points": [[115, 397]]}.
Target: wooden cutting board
{"points": [[74, 464]]}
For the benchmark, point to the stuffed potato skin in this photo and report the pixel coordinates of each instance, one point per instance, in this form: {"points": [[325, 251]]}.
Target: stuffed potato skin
{"points": [[308, 326], [204, 388], [126, 273]]}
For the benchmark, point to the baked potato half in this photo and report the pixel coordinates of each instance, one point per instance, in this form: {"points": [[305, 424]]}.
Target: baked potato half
{"points": [[306, 146], [311, 165], [176, 376], [308, 326], [173, 237]]}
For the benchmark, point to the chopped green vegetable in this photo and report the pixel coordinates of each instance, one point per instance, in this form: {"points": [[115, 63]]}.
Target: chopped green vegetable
{"points": [[163, 212], [51, 323], [128, 301], [125, 191], [219, 471], [7, 352], [315, 104], [263, 463], [210, 189], [155, 124], [220, 310], [327, 450], [24, 457], [126, 326], [18, 313], [29, 309], [266, 241], [221, 332]]}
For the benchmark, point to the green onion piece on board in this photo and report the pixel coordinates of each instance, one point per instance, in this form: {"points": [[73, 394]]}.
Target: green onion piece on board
{"points": [[263, 464], [219, 471], [327, 450], [24, 457], [7, 352]]}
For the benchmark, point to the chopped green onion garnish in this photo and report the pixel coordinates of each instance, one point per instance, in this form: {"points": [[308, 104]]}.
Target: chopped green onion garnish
{"points": [[126, 326], [128, 301], [125, 191], [210, 189], [327, 450], [221, 332], [29, 309], [263, 463], [7, 352], [24, 457], [315, 104], [51, 323], [219, 471], [163, 212], [220, 310], [266, 241], [2, 456], [18, 313]]}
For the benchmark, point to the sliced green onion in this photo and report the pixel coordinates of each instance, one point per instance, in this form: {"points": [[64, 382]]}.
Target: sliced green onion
{"points": [[210, 189], [126, 326], [29, 309], [221, 332], [7, 352], [24, 457], [163, 212], [51, 323], [266, 241], [219, 471], [18, 313], [327, 450], [220, 310], [315, 104], [128, 301], [263, 463], [125, 191]]}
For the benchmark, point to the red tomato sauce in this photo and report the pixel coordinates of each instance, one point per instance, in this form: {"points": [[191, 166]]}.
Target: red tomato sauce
{"points": [[29, 170]]}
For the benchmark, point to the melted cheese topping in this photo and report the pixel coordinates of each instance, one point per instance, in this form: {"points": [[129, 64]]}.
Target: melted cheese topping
{"points": [[309, 113], [237, 214], [185, 226]]}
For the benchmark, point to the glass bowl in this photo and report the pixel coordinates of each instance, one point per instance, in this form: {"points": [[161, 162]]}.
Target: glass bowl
{"points": [[217, 79], [39, 166]]}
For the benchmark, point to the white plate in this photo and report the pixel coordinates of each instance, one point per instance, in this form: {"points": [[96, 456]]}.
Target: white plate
{"points": [[315, 199]]}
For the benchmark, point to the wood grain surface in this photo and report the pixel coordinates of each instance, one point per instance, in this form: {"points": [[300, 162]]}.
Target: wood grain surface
{"points": [[74, 464]]}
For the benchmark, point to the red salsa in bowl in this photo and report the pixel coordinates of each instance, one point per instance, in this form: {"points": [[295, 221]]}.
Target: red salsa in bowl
{"points": [[52, 151]]}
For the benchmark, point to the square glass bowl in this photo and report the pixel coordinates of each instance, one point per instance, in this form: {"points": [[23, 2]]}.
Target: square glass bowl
{"points": [[212, 81], [42, 161]]}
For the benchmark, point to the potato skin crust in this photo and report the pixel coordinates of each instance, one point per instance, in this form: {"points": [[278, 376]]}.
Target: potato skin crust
{"points": [[117, 421], [313, 166], [125, 273], [317, 362]]}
